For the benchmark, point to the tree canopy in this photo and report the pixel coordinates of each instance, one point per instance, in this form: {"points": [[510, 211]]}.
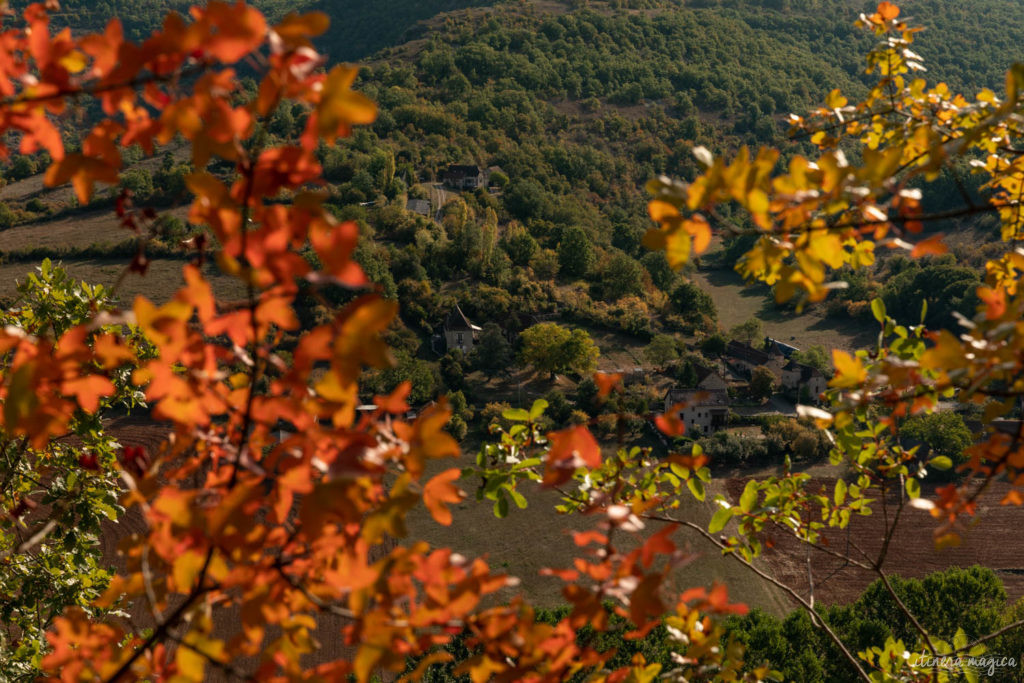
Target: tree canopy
{"points": [[551, 348]]}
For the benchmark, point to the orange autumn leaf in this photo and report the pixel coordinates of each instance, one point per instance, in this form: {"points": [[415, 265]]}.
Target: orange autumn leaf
{"points": [[240, 29], [295, 30], [334, 244], [570, 449], [83, 172], [439, 491], [395, 402], [994, 300], [888, 11], [930, 246], [88, 390], [607, 382], [111, 351], [670, 424]]}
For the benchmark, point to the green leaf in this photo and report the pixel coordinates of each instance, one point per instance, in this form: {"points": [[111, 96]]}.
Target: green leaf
{"points": [[941, 462], [538, 408], [878, 310], [696, 487], [840, 495], [501, 507], [913, 488], [518, 498], [749, 496], [960, 639], [516, 415], [719, 520], [924, 310]]}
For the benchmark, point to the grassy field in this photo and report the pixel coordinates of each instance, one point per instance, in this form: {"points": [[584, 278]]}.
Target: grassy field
{"points": [[737, 302]]}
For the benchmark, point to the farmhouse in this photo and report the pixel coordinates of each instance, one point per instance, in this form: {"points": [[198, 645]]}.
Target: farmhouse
{"points": [[745, 358], [464, 177], [459, 333], [705, 406], [803, 380], [702, 411]]}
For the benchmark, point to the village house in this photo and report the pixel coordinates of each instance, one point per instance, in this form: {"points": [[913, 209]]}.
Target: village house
{"points": [[803, 381], [706, 406], [464, 177], [459, 333], [744, 358]]}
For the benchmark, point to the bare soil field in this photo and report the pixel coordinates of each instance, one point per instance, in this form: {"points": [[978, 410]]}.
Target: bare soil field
{"points": [[78, 230], [990, 540]]}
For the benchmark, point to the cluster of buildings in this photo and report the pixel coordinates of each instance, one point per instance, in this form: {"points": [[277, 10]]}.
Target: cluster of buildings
{"points": [[705, 406]]}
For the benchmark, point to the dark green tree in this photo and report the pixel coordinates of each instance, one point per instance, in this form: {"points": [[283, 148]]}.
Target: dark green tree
{"points": [[621, 276], [762, 383], [692, 302], [492, 351], [575, 252]]}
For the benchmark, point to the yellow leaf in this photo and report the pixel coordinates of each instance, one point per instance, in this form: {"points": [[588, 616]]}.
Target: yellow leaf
{"points": [[757, 201], [191, 664], [186, 568], [660, 210], [74, 61], [835, 100], [677, 248], [340, 106], [850, 371]]}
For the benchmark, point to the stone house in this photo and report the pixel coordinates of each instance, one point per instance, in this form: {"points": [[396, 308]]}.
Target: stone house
{"points": [[459, 333], [799, 379], [464, 177], [744, 358]]}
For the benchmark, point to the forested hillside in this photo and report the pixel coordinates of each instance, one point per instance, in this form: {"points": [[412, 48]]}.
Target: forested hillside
{"points": [[358, 29], [573, 106]]}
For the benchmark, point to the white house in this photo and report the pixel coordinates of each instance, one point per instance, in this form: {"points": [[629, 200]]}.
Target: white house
{"points": [[798, 379], [702, 411]]}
